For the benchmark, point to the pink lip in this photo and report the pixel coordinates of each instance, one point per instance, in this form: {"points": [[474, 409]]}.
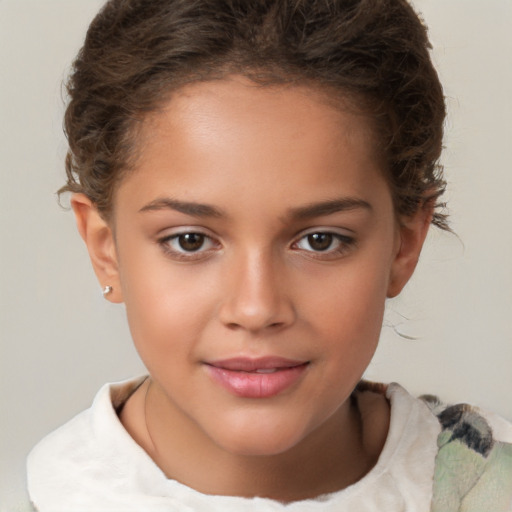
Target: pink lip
{"points": [[240, 375]]}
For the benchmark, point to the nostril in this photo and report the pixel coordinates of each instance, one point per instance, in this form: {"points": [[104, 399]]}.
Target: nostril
{"points": [[273, 326]]}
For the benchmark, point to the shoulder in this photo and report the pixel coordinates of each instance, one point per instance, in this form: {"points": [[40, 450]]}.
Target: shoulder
{"points": [[81, 456], [71, 441], [473, 469], [463, 419], [53, 464], [470, 450], [470, 424]]}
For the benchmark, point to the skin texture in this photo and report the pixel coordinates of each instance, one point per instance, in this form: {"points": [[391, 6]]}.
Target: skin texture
{"points": [[258, 158]]}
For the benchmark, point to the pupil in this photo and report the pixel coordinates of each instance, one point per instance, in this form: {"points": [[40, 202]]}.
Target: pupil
{"points": [[191, 241], [320, 241]]}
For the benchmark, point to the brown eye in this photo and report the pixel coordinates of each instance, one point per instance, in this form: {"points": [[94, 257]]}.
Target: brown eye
{"points": [[320, 241], [189, 246], [325, 245], [191, 242]]}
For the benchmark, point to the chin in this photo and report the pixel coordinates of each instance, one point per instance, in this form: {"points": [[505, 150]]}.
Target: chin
{"points": [[259, 440]]}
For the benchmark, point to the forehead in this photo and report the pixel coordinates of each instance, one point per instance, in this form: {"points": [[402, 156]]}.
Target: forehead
{"points": [[236, 99], [250, 137]]}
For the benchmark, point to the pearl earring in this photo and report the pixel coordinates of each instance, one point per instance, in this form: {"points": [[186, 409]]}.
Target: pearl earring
{"points": [[107, 290]]}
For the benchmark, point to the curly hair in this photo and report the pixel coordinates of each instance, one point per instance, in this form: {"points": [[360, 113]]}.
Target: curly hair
{"points": [[137, 52]]}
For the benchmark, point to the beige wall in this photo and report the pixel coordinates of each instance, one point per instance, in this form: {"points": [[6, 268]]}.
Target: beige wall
{"points": [[60, 341]]}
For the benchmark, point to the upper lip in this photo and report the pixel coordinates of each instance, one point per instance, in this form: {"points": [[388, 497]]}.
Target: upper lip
{"points": [[248, 364]]}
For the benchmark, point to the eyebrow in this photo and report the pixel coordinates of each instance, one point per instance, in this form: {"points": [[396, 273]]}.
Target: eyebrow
{"points": [[300, 213], [329, 207], [188, 208]]}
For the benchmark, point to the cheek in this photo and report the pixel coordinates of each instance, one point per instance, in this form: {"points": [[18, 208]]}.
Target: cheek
{"points": [[166, 305], [352, 296], [348, 313]]}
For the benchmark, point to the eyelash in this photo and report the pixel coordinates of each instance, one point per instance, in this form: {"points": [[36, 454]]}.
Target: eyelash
{"points": [[344, 244]]}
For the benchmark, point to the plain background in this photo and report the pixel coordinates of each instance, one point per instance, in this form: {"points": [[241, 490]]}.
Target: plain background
{"points": [[60, 341]]}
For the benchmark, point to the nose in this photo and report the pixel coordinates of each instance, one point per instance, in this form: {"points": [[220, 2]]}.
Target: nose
{"points": [[256, 297]]}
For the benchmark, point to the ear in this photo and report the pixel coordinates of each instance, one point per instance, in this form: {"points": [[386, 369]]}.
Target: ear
{"points": [[99, 239], [411, 233]]}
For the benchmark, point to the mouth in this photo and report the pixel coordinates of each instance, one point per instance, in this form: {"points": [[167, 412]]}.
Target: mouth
{"points": [[256, 378]]}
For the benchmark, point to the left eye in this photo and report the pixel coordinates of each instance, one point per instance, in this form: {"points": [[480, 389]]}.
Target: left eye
{"points": [[323, 242]]}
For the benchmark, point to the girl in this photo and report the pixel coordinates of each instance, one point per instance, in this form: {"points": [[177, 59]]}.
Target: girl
{"points": [[253, 180]]}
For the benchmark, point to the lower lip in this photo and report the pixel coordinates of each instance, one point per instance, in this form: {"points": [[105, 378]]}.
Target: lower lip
{"points": [[256, 385]]}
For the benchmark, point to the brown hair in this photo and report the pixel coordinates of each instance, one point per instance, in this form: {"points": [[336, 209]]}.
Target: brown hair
{"points": [[137, 51]]}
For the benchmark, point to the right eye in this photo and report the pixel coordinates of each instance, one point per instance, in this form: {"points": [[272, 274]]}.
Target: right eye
{"points": [[189, 242], [187, 245]]}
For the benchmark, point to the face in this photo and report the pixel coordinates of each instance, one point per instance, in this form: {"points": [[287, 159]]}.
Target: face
{"points": [[255, 245]]}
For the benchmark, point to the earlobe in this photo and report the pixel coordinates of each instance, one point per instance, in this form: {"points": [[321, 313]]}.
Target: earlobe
{"points": [[99, 239], [411, 234]]}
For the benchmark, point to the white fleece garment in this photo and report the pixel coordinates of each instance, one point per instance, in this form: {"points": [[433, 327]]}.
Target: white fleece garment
{"points": [[91, 464]]}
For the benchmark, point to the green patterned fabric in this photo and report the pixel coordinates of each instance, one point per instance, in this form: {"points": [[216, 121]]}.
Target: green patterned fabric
{"points": [[473, 471]]}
